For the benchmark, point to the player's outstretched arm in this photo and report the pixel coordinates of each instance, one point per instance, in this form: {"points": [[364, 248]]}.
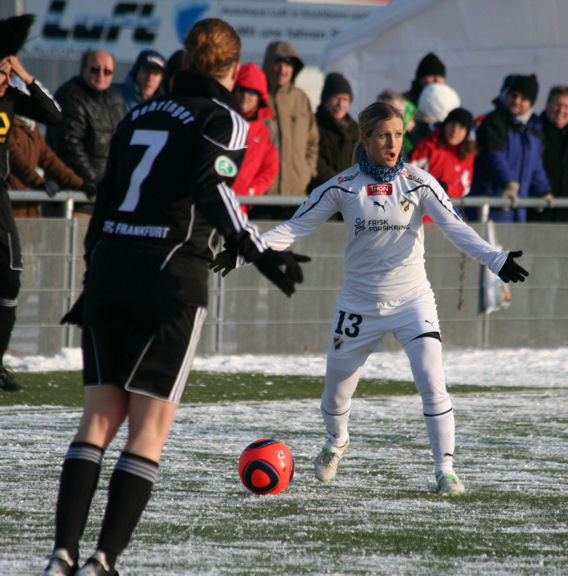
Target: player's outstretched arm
{"points": [[280, 267], [511, 271]]}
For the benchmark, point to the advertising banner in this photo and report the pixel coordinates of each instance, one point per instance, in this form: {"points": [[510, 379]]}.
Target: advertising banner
{"points": [[65, 28]]}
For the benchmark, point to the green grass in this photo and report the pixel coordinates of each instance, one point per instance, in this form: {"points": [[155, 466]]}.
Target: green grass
{"points": [[380, 516], [65, 389]]}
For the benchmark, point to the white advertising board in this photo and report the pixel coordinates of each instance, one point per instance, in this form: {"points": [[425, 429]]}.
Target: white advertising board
{"points": [[65, 28]]}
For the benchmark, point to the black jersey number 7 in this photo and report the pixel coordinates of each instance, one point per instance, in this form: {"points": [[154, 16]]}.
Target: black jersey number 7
{"points": [[155, 140]]}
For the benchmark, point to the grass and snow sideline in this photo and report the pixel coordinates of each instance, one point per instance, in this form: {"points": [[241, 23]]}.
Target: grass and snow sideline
{"points": [[498, 367]]}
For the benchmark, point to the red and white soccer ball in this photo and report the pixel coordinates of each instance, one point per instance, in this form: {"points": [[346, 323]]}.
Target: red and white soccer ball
{"points": [[266, 466]]}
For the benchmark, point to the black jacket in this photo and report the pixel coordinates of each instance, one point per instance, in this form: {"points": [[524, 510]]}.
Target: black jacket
{"points": [[336, 145], [555, 159], [166, 192], [90, 117]]}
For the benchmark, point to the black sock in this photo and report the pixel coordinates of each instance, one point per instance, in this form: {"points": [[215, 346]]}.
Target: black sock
{"points": [[78, 482], [7, 320], [129, 492]]}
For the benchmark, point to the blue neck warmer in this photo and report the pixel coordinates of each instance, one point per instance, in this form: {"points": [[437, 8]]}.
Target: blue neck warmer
{"points": [[380, 173]]}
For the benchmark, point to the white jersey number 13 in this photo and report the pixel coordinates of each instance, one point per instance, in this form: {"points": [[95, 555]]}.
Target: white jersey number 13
{"points": [[155, 140]]}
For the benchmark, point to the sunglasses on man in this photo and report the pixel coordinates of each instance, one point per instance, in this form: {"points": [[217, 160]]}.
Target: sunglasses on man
{"points": [[97, 70]]}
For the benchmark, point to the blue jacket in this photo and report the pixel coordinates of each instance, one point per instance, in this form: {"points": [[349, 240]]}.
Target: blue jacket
{"points": [[130, 92], [509, 150]]}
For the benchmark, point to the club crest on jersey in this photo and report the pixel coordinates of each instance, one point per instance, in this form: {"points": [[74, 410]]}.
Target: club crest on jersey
{"points": [[224, 166], [337, 342], [379, 189], [405, 205]]}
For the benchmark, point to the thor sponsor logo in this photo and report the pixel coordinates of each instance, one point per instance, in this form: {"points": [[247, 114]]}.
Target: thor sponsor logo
{"points": [[379, 189], [224, 166]]}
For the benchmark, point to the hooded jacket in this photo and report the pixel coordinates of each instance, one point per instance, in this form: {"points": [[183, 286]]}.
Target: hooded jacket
{"points": [[296, 127], [509, 150], [261, 163]]}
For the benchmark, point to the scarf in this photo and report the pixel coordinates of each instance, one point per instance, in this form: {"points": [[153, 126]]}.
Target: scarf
{"points": [[380, 173]]}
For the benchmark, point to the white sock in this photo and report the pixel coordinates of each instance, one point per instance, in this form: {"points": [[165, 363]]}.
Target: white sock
{"points": [[441, 432], [337, 425]]}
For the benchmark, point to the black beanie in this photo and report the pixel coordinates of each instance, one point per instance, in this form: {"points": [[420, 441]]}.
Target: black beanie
{"points": [[526, 85], [430, 65], [335, 83], [461, 116]]}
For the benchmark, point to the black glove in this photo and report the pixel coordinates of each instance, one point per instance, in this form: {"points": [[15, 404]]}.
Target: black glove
{"points": [[282, 268], [511, 271], [224, 262], [75, 313], [90, 189], [49, 187]]}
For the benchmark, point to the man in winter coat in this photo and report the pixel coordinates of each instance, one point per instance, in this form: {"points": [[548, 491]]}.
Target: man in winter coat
{"points": [[260, 164], [337, 130], [509, 143], [92, 110], [144, 79], [295, 123], [555, 132]]}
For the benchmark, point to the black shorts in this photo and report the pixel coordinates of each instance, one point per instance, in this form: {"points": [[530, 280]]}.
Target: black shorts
{"points": [[139, 356]]}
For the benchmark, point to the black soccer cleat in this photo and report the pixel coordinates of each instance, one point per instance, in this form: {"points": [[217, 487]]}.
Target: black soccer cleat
{"points": [[7, 381]]}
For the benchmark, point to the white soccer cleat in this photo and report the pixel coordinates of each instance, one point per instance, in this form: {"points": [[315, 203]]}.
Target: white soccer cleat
{"points": [[449, 484], [60, 564], [327, 461]]}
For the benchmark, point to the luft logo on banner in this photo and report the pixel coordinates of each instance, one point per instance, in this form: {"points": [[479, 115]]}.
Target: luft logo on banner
{"points": [[136, 16]]}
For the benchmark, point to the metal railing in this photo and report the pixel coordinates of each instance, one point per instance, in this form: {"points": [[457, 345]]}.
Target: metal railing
{"points": [[59, 258]]}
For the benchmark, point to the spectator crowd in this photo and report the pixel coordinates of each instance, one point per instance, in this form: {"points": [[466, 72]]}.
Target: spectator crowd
{"points": [[512, 151]]}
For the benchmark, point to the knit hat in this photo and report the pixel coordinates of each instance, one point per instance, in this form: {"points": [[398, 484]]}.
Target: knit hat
{"points": [[526, 85], [436, 101], [149, 59], [14, 33], [335, 83], [461, 116], [430, 65]]}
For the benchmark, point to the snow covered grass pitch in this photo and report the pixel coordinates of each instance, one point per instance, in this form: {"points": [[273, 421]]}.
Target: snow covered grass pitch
{"points": [[380, 515]]}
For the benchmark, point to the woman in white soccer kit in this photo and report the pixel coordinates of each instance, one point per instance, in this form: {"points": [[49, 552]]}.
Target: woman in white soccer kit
{"points": [[382, 202]]}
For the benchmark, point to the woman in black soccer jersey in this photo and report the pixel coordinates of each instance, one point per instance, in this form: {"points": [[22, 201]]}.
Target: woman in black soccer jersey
{"points": [[166, 192]]}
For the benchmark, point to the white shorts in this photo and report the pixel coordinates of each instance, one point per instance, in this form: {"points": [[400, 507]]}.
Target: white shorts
{"points": [[358, 331]]}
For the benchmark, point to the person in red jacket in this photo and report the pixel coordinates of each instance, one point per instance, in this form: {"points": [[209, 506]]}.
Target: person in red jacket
{"points": [[447, 153], [261, 162]]}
